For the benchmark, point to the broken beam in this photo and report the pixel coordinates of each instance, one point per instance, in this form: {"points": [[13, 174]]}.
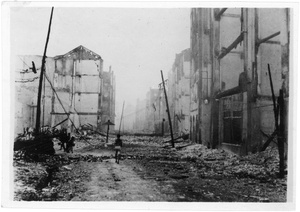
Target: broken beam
{"points": [[228, 92], [61, 122], [233, 45], [218, 15], [260, 41]]}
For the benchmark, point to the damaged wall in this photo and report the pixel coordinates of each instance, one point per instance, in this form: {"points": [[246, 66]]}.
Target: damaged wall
{"points": [[179, 92], [230, 88], [26, 89], [78, 83], [77, 78]]}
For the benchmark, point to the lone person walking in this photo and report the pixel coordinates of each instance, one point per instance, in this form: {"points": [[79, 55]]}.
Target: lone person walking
{"points": [[118, 145]]}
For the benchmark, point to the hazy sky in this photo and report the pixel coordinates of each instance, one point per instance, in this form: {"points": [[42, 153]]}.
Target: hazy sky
{"points": [[137, 43]]}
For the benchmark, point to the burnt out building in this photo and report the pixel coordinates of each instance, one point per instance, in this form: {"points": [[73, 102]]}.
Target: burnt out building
{"points": [[78, 87], [179, 92], [75, 91], [231, 98]]}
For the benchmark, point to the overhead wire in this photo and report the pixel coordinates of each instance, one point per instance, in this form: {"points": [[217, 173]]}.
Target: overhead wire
{"points": [[27, 80]]}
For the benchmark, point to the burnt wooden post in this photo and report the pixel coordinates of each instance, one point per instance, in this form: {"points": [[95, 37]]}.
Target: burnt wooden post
{"points": [[121, 118], [280, 135], [273, 98], [38, 109], [108, 123], [168, 111]]}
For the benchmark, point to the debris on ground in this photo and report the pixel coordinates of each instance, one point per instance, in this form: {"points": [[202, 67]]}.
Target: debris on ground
{"points": [[193, 171]]}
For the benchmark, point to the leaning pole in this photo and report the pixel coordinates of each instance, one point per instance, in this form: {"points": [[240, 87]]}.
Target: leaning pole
{"points": [[168, 111], [38, 109]]}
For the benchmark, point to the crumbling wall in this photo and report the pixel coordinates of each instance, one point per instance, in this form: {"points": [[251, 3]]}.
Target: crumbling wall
{"points": [[78, 83]]}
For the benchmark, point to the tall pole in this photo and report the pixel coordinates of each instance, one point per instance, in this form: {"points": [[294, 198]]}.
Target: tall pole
{"points": [[43, 122], [121, 118], [168, 111], [273, 98], [38, 110]]}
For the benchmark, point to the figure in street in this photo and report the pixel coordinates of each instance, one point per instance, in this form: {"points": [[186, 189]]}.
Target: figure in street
{"points": [[118, 146], [70, 144]]}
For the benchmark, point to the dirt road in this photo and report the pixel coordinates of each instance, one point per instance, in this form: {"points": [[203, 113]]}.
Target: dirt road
{"points": [[118, 182]]}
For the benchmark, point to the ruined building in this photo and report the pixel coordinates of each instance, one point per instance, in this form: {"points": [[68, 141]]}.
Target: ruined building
{"points": [[81, 91], [179, 93], [231, 98], [151, 116]]}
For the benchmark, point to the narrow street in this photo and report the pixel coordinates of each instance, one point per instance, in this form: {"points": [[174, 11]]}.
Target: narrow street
{"points": [[149, 170], [119, 182]]}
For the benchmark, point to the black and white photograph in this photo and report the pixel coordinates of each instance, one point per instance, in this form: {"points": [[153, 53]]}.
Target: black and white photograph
{"points": [[149, 104]]}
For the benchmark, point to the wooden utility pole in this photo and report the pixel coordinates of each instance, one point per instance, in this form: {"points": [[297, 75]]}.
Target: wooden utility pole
{"points": [[168, 111], [280, 135], [273, 98], [38, 109], [279, 129], [121, 118], [108, 123]]}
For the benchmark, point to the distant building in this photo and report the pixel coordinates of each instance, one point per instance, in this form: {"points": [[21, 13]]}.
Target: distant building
{"points": [[160, 110], [178, 91], [108, 99], [140, 116], [151, 97], [128, 118]]}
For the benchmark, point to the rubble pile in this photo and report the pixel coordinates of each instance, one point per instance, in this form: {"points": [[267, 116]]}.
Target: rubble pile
{"points": [[41, 144], [262, 165], [144, 140], [54, 178], [228, 177]]}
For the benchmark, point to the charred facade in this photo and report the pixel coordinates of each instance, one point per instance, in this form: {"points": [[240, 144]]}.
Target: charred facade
{"points": [[76, 91], [231, 98]]}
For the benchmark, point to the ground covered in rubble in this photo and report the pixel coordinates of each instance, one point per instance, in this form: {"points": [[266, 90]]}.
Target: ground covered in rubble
{"points": [[149, 170]]}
